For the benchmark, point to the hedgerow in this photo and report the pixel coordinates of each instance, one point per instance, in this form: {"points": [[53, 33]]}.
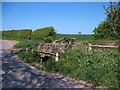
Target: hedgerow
{"points": [[17, 34], [46, 34]]}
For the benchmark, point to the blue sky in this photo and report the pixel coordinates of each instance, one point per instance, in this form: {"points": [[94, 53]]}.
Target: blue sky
{"points": [[65, 17]]}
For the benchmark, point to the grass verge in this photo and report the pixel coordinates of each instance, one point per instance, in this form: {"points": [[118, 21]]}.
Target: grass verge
{"points": [[99, 67]]}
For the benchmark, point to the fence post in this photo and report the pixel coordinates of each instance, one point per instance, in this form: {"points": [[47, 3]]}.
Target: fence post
{"points": [[26, 50], [32, 51], [56, 57], [89, 47]]}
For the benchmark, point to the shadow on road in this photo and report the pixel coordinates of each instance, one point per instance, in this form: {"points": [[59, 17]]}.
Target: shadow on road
{"points": [[19, 75]]}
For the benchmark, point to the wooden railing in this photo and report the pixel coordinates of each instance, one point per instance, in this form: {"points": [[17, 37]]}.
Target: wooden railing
{"points": [[90, 46]]}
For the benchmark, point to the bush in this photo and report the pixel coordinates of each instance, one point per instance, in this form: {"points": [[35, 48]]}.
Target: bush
{"points": [[29, 57], [46, 34], [47, 65]]}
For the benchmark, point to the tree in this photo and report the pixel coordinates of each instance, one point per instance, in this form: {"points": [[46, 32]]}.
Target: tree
{"points": [[79, 33], [110, 28]]}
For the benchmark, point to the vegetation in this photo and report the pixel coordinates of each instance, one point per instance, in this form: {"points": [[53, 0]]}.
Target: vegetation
{"points": [[81, 37], [110, 28], [98, 67], [46, 34], [101, 42], [17, 34], [27, 43]]}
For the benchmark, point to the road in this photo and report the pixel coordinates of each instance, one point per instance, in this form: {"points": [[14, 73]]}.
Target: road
{"points": [[17, 74]]}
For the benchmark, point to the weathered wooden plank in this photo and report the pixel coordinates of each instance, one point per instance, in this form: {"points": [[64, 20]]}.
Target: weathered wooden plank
{"points": [[101, 46]]}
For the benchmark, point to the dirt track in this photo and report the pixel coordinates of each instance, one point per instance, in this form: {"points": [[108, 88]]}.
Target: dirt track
{"points": [[7, 44], [17, 74]]}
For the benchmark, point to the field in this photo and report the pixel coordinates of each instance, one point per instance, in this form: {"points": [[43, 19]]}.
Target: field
{"points": [[78, 37]]}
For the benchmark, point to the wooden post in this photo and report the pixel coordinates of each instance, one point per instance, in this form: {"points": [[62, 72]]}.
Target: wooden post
{"points": [[56, 57], [32, 51], [26, 50], [89, 47]]}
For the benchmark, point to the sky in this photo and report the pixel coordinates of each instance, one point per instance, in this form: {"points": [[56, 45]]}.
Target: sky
{"points": [[65, 17]]}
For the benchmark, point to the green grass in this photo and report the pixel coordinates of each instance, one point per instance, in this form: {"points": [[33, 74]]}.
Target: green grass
{"points": [[27, 44], [99, 42], [78, 37]]}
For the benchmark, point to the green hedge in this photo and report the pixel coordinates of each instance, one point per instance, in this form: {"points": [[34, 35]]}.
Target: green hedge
{"points": [[46, 34], [16, 34]]}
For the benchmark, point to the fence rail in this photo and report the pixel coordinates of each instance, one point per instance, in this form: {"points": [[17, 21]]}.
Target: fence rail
{"points": [[90, 46]]}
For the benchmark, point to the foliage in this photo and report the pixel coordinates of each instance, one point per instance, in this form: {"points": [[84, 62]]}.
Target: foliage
{"points": [[47, 65], [110, 28], [24, 34], [46, 34], [29, 57], [99, 67], [27, 44], [16, 34], [102, 32]]}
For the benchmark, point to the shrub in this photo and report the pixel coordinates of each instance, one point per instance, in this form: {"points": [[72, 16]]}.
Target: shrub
{"points": [[46, 34], [29, 57]]}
